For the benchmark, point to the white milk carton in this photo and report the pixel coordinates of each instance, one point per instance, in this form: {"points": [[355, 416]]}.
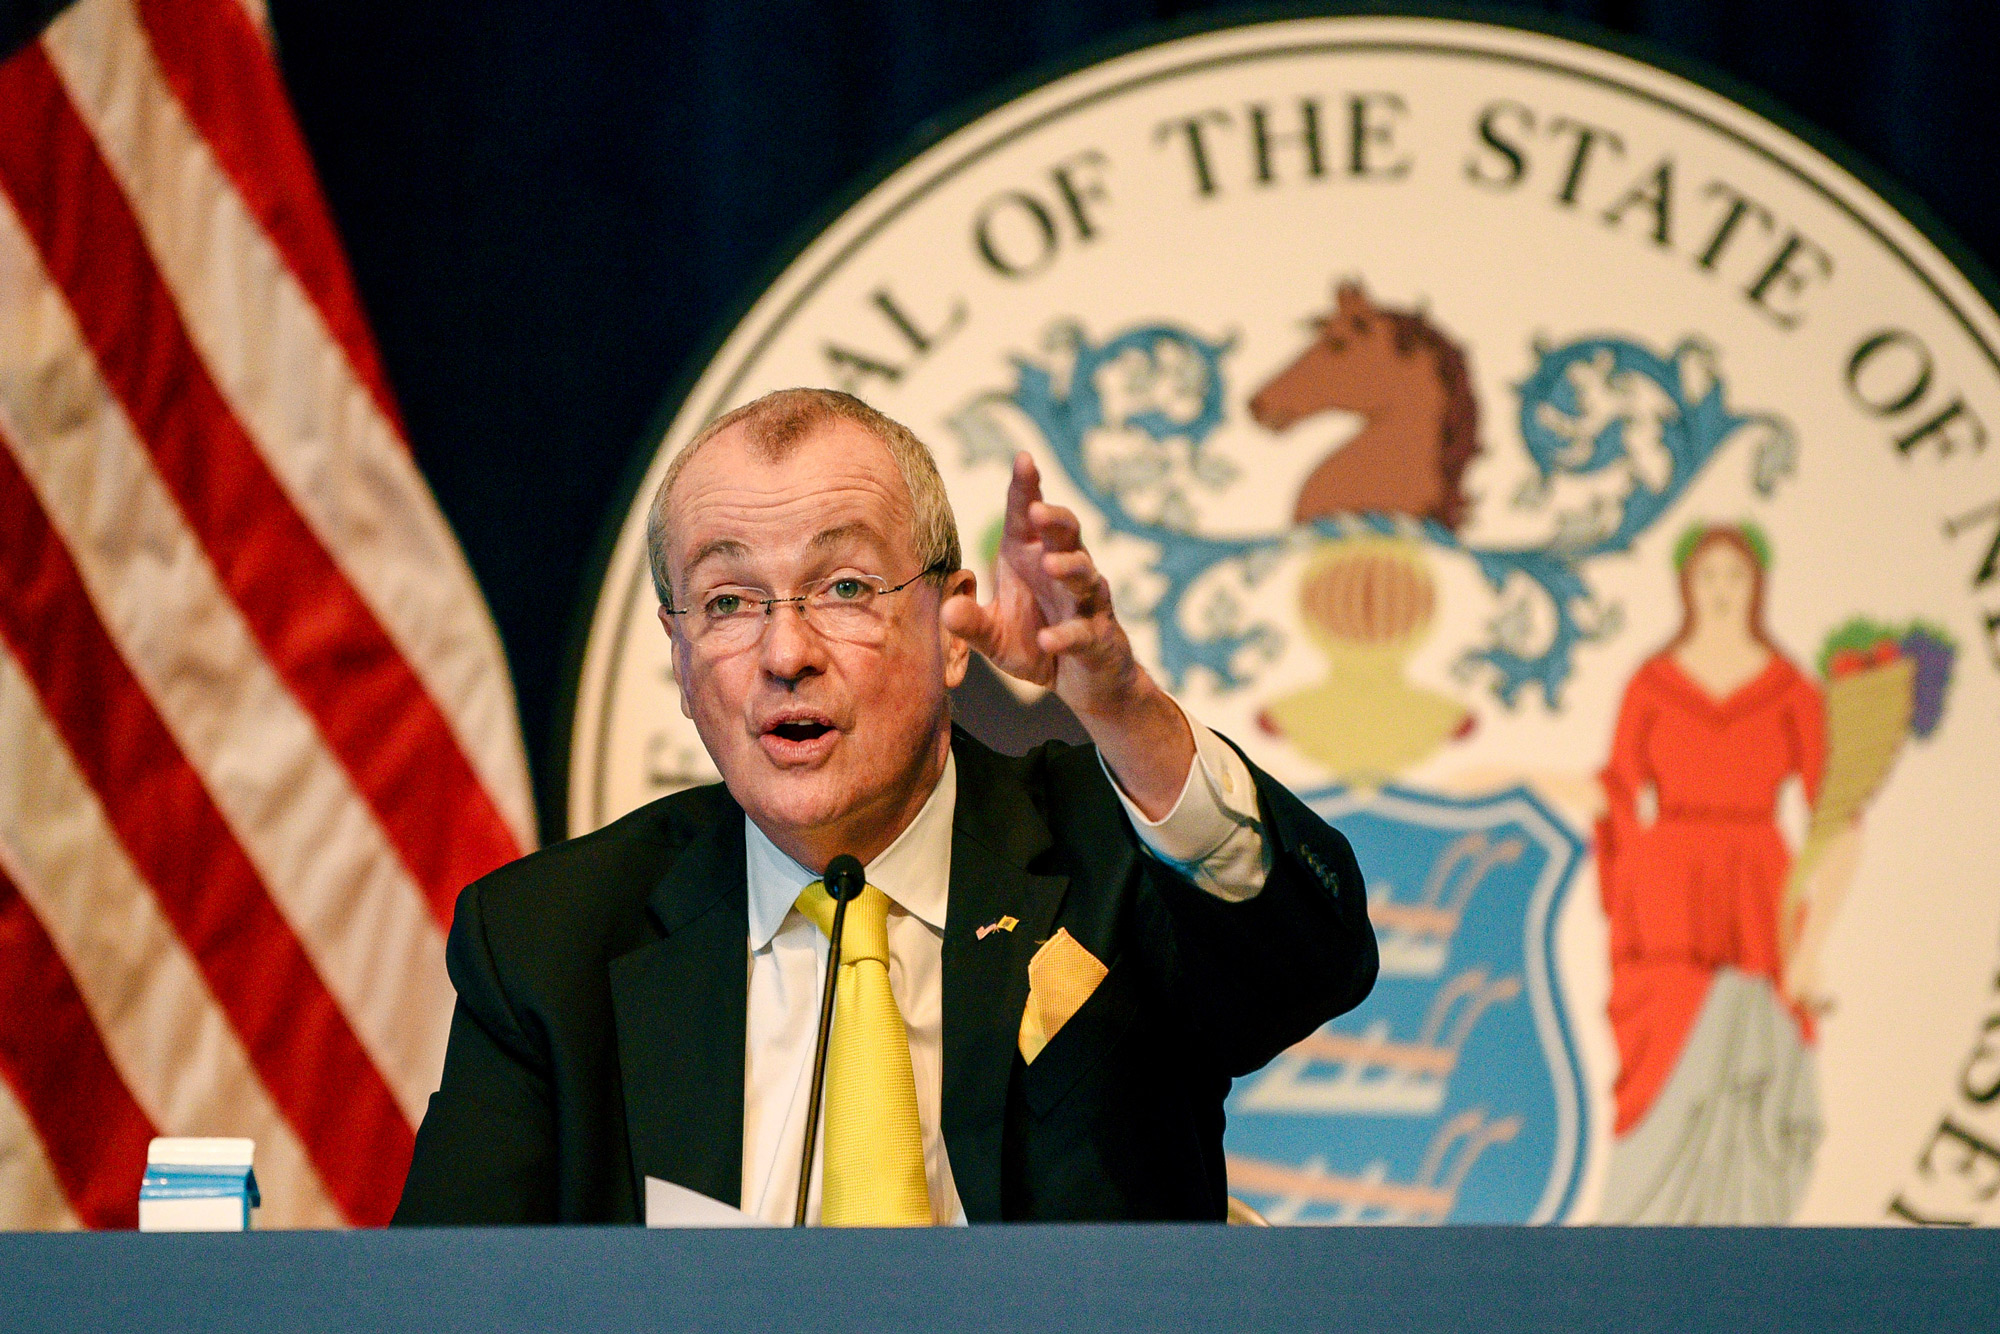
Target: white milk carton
{"points": [[198, 1185]]}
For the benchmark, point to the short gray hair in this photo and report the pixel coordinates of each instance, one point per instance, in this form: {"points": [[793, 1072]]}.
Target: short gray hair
{"points": [[777, 424]]}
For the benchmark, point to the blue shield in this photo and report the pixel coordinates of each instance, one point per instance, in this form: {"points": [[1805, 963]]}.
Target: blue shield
{"points": [[1453, 1094]]}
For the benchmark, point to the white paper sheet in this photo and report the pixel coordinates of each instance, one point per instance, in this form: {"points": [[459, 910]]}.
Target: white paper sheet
{"points": [[668, 1205]]}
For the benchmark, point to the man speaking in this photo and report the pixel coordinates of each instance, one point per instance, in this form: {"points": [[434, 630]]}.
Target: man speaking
{"points": [[1059, 961]]}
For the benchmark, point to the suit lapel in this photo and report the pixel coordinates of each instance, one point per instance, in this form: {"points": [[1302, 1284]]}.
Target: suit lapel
{"points": [[680, 1005], [996, 833]]}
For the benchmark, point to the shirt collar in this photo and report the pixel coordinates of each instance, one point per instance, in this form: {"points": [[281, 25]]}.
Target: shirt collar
{"points": [[914, 871]]}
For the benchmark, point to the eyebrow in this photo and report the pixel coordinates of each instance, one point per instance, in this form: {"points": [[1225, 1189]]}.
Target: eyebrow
{"points": [[833, 537], [721, 546]]}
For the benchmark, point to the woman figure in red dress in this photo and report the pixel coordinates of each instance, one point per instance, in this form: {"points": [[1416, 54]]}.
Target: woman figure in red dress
{"points": [[1717, 1107]]}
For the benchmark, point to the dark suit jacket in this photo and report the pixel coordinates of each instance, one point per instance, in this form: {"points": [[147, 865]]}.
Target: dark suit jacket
{"points": [[603, 987]]}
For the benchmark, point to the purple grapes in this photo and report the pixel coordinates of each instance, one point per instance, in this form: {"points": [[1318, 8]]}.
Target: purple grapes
{"points": [[1933, 655]]}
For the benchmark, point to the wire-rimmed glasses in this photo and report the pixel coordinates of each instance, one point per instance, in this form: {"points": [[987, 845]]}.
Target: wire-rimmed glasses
{"points": [[846, 607]]}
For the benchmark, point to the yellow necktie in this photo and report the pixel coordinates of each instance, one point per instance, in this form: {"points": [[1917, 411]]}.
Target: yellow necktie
{"points": [[872, 1167]]}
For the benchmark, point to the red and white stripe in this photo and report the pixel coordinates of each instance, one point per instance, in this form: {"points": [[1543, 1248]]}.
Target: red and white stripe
{"points": [[255, 725]]}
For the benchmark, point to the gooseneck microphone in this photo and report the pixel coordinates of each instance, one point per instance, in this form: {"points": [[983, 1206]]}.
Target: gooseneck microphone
{"points": [[844, 880]]}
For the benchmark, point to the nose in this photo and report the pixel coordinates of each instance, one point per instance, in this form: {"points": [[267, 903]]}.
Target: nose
{"points": [[1266, 411], [791, 648]]}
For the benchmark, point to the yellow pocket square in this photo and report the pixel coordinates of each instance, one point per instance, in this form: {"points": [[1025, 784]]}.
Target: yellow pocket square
{"points": [[1061, 977]]}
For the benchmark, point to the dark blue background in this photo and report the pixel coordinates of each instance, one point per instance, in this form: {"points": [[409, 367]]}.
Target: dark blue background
{"points": [[551, 207]]}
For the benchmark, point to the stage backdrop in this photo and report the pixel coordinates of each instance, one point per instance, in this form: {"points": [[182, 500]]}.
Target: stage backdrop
{"points": [[1574, 480]]}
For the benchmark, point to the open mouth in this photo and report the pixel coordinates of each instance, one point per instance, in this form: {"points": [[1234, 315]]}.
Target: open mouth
{"points": [[797, 734]]}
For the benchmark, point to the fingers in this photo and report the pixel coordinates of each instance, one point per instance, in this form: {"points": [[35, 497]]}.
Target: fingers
{"points": [[1078, 575], [1046, 544], [1057, 526], [1023, 493], [1029, 519], [1070, 637], [1089, 626], [963, 616], [976, 625], [1094, 643]]}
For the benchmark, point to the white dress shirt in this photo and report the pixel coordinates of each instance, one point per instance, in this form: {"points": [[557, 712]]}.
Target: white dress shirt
{"points": [[1212, 834]]}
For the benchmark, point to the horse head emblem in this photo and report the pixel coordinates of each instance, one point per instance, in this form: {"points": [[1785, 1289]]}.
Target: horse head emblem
{"points": [[1408, 382]]}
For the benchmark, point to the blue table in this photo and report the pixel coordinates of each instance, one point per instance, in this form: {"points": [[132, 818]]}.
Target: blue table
{"points": [[1044, 1279]]}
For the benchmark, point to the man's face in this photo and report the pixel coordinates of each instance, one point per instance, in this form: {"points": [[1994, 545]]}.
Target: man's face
{"points": [[830, 746]]}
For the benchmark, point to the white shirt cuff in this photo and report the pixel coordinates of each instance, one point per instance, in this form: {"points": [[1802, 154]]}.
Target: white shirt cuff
{"points": [[1213, 834]]}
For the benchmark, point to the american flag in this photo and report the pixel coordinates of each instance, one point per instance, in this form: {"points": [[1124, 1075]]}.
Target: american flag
{"points": [[256, 730]]}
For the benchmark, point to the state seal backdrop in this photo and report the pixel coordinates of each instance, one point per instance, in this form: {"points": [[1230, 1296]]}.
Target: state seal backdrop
{"points": [[1574, 484]]}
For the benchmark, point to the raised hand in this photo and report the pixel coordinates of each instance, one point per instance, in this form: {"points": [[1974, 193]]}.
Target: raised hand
{"points": [[1051, 622], [1049, 602]]}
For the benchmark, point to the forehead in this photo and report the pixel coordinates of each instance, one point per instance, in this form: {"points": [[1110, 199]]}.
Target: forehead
{"points": [[835, 486], [1720, 554]]}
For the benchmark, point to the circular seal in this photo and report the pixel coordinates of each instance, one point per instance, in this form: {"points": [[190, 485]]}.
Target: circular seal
{"points": [[1576, 486]]}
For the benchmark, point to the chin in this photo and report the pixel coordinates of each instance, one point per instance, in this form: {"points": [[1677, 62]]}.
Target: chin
{"points": [[796, 801]]}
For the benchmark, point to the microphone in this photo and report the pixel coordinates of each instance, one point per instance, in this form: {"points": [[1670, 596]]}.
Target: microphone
{"points": [[844, 880]]}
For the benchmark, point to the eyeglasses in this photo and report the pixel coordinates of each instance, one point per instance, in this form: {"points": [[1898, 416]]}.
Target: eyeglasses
{"points": [[846, 607]]}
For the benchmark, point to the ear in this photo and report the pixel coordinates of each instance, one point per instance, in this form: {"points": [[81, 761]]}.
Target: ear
{"points": [[680, 660], [1349, 299], [957, 653]]}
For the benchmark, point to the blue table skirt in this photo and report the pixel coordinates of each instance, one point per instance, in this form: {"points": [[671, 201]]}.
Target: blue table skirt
{"points": [[1041, 1279]]}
